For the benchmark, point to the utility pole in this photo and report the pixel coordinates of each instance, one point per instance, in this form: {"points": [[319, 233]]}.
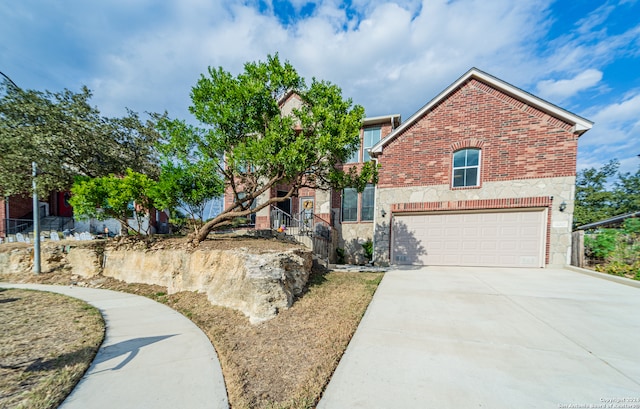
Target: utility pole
{"points": [[36, 221], [36, 203]]}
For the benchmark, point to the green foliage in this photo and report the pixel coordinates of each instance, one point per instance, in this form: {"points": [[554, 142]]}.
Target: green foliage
{"points": [[619, 249], [627, 193], [241, 121], [602, 244], [593, 200], [187, 186], [113, 197], [599, 195], [619, 268], [67, 137], [340, 255], [631, 226], [368, 249]]}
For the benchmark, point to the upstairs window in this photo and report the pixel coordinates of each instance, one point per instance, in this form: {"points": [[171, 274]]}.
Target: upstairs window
{"points": [[355, 156], [466, 168], [370, 138]]}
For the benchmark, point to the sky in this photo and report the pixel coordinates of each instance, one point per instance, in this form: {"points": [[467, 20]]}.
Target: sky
{"points": [[390, 57]]}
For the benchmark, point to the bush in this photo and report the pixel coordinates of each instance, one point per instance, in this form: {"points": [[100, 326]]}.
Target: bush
{"points": [[617, 250], [602, 245], [368, 249], [621, 269]]}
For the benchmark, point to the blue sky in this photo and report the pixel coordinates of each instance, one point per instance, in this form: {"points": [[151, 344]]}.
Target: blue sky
{"points": [[390, 57]]}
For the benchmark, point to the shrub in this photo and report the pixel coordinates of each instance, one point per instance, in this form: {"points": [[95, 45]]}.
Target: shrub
{"points": [[368, 249], [622, 269], [340, 255], [602, 245]]}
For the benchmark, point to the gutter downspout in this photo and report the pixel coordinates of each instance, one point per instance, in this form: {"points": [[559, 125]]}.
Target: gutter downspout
{"points": [[375, 216]]}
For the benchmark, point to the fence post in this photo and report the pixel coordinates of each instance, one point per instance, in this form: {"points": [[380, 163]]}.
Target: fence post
{"points": [[577, 248]]}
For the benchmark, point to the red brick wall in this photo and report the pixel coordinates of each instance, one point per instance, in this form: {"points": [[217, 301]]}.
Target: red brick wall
{"points": [[517, 141], [3, 216], [20, 206]]}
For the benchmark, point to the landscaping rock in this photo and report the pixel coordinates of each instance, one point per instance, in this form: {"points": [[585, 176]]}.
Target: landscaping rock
{"points": [[257, 284]]}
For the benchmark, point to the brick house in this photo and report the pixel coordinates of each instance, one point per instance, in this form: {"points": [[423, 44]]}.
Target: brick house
{"points": [[56, 214], [17, 210], [482, 175]]}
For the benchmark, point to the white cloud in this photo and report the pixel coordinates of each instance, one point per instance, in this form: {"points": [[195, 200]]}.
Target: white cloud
{"points": [[560, 90], [623, 112], [615, 134]]}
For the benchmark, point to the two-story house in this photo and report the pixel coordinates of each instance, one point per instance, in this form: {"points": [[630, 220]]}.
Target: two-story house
{"points": [[482, 175]]}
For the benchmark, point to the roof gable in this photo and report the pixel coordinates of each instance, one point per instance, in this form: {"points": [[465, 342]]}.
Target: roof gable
{"points": [[580, 125]]}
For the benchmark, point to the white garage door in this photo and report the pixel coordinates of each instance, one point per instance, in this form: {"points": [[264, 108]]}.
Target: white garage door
{"points": [[494, 239]]}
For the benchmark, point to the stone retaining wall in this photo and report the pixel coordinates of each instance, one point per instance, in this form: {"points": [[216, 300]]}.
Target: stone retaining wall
{"points": [[258, 284]]}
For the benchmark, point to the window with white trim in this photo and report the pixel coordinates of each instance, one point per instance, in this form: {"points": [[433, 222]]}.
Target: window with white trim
{"points": [[371, 137], [355, 156], [466, 168], [349, 205], [366, 203], [358, 206]]}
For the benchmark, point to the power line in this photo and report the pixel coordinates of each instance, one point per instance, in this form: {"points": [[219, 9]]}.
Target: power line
{"points": [[9, 79]]}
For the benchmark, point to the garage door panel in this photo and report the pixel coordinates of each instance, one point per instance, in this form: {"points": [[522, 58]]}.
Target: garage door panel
{"points": [[508, 238]]}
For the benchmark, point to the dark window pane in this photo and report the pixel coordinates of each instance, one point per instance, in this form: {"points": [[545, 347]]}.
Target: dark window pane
{"points": [[458, 177], [472, 157], [349, 205], [471, 178], [366, 211], [459, 159], [371, 137]]}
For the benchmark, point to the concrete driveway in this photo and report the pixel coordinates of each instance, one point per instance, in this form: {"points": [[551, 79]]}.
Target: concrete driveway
{"points": [[447, 337]]}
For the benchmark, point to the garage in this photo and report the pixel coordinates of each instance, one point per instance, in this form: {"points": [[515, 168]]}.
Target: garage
{"points": [[513, 238]]}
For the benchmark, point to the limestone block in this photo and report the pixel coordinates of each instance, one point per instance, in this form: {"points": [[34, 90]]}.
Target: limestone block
{"points": [[258, 285]]}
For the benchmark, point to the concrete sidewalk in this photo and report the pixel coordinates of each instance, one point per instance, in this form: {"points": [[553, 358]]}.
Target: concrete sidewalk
{"points": [[492, 338], [151, 357]]}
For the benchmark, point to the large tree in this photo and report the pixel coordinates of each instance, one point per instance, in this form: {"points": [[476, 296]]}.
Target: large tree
{"points": [[66, 137], [185, 187], [627, 192], [121, 197], [255, 146], [603, 193]]}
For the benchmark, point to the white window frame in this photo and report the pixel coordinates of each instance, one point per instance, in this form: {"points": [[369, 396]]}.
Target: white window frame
{"points": [[465, 168], [368, 189], [368, 145], [342, 212]]}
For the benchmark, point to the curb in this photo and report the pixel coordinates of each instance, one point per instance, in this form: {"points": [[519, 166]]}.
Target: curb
{"points": [[604, 276]]}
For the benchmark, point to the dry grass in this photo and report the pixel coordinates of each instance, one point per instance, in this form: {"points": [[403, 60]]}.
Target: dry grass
{"points": [[285, 362], [46, 344], [282, 363]]}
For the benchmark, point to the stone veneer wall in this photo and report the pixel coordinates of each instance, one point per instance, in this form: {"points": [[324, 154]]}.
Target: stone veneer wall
{"points": [[561, 188]]}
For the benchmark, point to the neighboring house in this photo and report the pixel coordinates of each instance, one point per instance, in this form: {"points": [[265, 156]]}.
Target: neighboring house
{"points": [[16, 216], [16, 213], [482, 175]]}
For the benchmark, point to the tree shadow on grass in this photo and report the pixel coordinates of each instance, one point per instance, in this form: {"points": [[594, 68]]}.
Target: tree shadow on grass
{"points": [[69, 359]]}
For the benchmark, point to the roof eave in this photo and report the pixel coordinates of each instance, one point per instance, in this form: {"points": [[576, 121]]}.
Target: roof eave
{"points": [[580, 125]]}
